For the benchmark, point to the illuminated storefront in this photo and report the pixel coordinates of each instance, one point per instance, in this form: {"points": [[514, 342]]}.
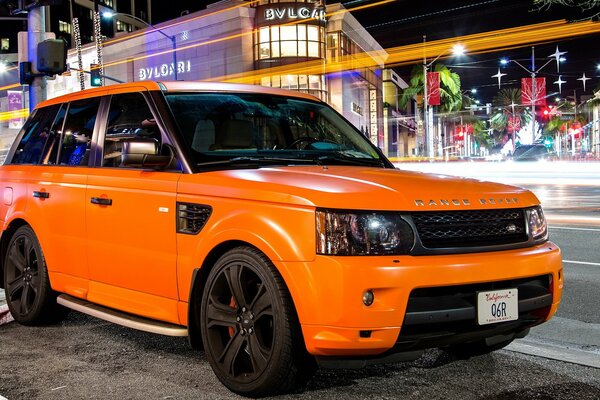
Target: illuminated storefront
{"points": [[236, 37]]}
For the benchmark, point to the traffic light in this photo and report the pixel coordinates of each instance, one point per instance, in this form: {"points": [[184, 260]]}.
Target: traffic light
{"points": [[95, 77]]}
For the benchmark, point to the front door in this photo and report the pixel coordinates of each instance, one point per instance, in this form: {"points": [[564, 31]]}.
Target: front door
{"points": [[131, 215]]}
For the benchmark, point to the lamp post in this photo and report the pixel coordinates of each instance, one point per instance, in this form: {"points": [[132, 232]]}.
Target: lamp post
{"points": [[173, 38], [533, 72], [457, 49]]}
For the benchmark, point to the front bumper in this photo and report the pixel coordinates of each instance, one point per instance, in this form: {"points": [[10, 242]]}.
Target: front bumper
{"points": [[328, 295]]}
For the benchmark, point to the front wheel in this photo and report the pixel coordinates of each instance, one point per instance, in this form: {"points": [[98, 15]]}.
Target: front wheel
{"points": [[30, 299], [250, 331]]}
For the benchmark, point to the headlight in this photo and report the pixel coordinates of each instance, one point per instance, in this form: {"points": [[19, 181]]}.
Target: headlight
{"points": [[353, 233], [537, 224]]}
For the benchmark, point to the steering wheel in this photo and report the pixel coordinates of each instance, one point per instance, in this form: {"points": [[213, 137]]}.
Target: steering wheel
{"points": [[302, 139]]}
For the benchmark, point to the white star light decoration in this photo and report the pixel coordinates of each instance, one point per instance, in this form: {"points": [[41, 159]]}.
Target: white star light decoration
{"points": [[499, 75], [557, 54], [583, 79], [559, 82]]}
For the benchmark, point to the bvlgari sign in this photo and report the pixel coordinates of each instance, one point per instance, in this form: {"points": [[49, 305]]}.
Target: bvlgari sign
{"points": [[163, 70], [286, 12]]}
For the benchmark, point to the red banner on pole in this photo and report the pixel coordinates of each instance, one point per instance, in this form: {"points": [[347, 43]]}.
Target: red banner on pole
{"points": [[433, 88], [533, 93], [514, 124]]}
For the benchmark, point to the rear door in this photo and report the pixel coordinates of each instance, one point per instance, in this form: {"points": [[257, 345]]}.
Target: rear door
{"points": [[53, 163]]}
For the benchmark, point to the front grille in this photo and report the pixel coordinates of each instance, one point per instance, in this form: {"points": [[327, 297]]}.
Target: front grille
{"points": [[445, 229]]}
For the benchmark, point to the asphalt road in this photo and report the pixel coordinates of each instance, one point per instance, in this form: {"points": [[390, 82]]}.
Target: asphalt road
{"points": [[85, 358]]}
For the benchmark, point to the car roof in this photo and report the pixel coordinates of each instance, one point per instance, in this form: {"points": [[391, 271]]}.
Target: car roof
{"points": [[171, 87]]}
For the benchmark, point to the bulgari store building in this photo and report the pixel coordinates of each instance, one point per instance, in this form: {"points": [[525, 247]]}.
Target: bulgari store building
{"points": [[257, 42]]}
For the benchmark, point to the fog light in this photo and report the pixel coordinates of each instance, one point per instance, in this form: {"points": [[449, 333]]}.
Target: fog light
{"points": [[368, 298]]}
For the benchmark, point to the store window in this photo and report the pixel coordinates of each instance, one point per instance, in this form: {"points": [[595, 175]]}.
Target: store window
{"points": [[123, 26], [300, 40], [313, 84], [64, 26]]}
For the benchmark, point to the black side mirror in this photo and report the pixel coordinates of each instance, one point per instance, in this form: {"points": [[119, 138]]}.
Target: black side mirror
{"points": [[144, 153]]}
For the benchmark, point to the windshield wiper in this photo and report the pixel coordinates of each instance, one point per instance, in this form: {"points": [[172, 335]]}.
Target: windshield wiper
{"points": [[255, 161], [341, 159]]}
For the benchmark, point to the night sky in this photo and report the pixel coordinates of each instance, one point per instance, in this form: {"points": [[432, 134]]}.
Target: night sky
{"points": [[406, 21]]}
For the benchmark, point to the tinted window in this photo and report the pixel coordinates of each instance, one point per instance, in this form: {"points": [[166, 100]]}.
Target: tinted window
{"points": [[129, 117], [77, 132], [55, 137], [36, 135], [229, 128]]}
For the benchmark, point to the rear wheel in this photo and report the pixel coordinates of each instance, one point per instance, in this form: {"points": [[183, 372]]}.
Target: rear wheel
{"points": [[30, 299], [250, 331]]}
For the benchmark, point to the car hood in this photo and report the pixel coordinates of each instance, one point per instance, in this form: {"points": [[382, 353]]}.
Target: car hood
{"points": [[363, 188]]}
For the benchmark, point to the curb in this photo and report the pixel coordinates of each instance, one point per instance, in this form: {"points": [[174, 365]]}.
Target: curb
{"points": [[558, 353]]}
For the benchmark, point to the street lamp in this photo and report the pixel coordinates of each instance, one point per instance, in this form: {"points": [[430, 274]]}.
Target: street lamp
{"points": [[173, 39], [457, 50]]}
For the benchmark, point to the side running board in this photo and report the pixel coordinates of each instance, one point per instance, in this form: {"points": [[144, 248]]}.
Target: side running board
{"points": [[121, 318]]}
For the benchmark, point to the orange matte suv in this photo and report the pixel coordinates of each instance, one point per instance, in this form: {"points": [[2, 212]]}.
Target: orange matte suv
{"points": [[267, 229]]}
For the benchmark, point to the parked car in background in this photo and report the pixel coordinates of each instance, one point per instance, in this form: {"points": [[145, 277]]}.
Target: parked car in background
{"points": [[533, 152], [263, 226]]}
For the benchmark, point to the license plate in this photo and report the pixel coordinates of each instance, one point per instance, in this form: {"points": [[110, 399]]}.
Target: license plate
{"points": [[497, 306]]}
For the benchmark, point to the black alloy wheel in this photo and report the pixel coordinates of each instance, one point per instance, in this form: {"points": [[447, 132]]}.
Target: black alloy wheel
{"points": [[30, 299], [249, 328]]}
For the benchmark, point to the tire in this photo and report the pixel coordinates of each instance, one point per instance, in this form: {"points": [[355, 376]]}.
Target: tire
{"points": [[30, 299], [465, 351], [250, 331]]}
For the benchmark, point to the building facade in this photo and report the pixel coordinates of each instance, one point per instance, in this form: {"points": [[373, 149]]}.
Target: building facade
{"points": [[259, 40]]}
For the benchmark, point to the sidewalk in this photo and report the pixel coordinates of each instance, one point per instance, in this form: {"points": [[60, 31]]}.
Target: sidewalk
{"points": [[5, 316]]}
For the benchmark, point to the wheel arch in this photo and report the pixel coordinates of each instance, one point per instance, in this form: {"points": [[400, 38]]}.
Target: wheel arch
{"points": [[5, 239], [199, 278]]}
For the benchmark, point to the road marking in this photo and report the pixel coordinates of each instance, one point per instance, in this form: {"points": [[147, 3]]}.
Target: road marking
{"points": [[574, 229], [3, 398], [582, 262]]}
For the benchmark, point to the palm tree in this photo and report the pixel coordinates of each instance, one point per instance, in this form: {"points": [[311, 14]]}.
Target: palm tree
{"points": [[450, 93], [509, 115]]}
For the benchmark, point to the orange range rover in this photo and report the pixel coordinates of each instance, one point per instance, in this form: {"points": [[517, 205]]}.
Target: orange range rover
{"points": [[267, 229]]}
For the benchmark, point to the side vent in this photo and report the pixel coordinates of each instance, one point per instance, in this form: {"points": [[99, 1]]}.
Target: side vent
{"points": [[191, 218]]}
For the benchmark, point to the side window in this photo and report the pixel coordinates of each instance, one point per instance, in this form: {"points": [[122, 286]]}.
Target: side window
{"points": [[77, 132], [129, 117], [55, 137], [36, 135]]}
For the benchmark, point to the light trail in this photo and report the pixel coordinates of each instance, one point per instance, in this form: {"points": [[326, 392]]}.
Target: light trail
{"points": [[582, 263], [569, 228], [11, 86], [573, 219], [8, 115], [485, 42]]}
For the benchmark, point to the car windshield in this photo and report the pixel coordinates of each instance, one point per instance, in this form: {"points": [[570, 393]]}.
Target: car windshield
{"points": [[233, 130]]}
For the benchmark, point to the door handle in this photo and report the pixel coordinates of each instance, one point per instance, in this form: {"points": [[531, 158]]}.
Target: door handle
{"points": [[101, 201], [41, 195]]}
